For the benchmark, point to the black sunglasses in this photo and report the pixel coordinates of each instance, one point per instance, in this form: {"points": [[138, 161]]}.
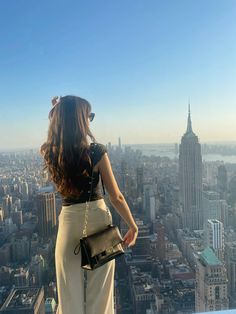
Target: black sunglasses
{"points": [[91, 116]]}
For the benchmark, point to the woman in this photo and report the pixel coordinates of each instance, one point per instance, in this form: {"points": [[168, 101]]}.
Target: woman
{"points": [[68, 157]]}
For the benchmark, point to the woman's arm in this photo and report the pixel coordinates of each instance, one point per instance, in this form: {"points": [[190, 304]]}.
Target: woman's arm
{"points": [[116, 197]]}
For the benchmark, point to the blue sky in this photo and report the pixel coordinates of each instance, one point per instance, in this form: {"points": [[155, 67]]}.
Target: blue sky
{"points": [[137, 62]]}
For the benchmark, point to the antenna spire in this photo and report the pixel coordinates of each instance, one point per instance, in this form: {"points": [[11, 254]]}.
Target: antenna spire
{"points": [[189, 126]]}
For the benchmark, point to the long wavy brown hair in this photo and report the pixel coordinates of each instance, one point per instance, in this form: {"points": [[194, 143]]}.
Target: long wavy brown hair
{"points": [[66, 151]]}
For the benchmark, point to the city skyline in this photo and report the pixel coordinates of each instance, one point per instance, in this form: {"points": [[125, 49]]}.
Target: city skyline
{"points": [[137, 74], [116, 144], [184, 256], [152, 186], [119, 140]]}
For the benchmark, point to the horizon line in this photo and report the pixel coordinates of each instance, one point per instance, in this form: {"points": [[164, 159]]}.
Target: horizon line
{"points": [[15, 149]]}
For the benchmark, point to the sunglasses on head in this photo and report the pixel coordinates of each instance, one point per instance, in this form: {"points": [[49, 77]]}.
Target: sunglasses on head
{"points": [[91, 116]]}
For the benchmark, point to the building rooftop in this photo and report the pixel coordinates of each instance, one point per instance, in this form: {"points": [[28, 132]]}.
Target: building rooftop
{"points": [[50, 305], [21, 298], [211, 195], [209, 257], [213, 221], [46, 189]]}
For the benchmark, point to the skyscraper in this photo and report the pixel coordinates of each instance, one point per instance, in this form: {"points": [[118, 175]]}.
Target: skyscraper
{"points": [[139, 173], [119, 142], [7, 205], [24, 190], [211, 283], [214, 207], [230, 259], [215, 237], [46, 207], [222, 181], [160, 230], [190, 179]]}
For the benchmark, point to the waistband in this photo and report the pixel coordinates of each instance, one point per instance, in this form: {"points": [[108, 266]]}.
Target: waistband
{"points": [[81, 206]]}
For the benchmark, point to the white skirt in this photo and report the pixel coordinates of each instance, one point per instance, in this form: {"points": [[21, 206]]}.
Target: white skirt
{"points": [[82, 291]]}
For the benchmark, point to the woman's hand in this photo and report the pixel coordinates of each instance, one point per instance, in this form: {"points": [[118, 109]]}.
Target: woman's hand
{"points": [[130, 237]]}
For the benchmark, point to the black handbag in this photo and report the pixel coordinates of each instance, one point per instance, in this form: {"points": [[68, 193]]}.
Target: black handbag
{"points": [[102, 246]]}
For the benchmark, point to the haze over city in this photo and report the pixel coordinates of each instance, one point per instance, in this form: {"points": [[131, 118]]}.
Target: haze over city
{"points": [[137, 73]]}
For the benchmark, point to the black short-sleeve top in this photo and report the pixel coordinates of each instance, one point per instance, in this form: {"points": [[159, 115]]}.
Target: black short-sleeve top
{"points": [[96, 152]]}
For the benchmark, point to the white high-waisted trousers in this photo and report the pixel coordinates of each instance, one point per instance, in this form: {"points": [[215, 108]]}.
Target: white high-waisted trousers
{"points": [[82, 291]]}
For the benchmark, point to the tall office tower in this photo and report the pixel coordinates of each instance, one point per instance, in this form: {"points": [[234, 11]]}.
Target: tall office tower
{"points": [[24, 190], [214, 207], [230, 261], [21, 277], [2, 192], [190, 179], [146, 197], [161, 241], [17, 218], [222, 181], [139, 173], [151, 213], [1, 214], [37, 267], [211, 283], [20, 249], [7, 205], [142, 246], [119, 142], [17, 203], [24, 300], [215, 237], [46, 207], [149, 203]]}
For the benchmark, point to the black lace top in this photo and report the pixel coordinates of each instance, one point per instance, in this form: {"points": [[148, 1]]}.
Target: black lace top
{"points": [[96, 153]]}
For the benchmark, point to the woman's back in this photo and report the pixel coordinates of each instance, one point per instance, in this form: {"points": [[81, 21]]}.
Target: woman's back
{"points": [[96, 151]]}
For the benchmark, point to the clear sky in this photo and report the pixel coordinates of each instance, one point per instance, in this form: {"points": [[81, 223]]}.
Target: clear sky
{"points": [[136, 61]]}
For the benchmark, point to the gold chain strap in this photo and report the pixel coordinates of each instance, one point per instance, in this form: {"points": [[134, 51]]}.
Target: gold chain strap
{"points": [[87, 205]]}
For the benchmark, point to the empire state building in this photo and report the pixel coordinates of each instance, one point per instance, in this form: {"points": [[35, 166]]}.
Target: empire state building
{"points": [[190, 179]]}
